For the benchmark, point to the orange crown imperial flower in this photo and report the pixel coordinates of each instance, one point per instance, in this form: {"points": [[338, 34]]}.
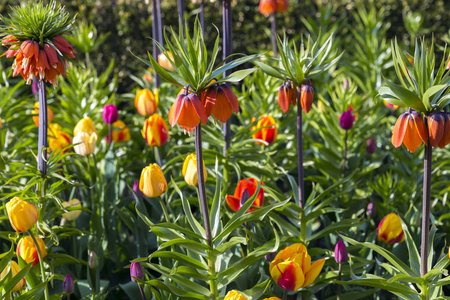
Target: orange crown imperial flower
{"points": [[410, 130], [220, 101], [292, 269], [307, 96], [33, 34], [287, 95], [187, 111]]}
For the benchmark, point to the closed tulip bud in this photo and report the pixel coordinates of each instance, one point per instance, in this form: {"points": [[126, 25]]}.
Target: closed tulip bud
{"points": [[390, 230], [120, 133], [35, 113], [340, 252], [410, 130], [84, 125], [110, 114], [269, 257], [22, 215], [73, 214], [287, 95], [272, 298], [234, 295], [68, 285], [268, 132], [307, 96], [14, 268], [436, 128], [152, 182], [346, 120], [84, 143], [145, 102], [164, 62], [371, 209], [292, 269], [26, 249], [189, 170], [371, 146], [155, 131], [93, 260], [136, 271]]}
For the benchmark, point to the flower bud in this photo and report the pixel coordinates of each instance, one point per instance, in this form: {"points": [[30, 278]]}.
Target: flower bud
{"points": [[371, 209], [371, 146], [14, 268], [137, 190], [73, 214], [68, 285], [152, 182], [234, 295], [446, 136], [269, 257], [268, 131], [93, 260], [390, 230], [436, 126], [272, 298], [287, 95], [307, 96], [27, 249], [120, 133], [189, 170], [340, 252], [84, 143], [22, 215], [84, 125], [346, 120], [136, 271], [35, 113], [110, 114], [164, 62], [1, 123], [145, 102], [155, 131]]}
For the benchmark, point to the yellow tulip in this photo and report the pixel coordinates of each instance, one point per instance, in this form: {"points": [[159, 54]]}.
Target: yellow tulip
{"points": [[84, 125], [22, 215], [291, 269], [164, 62], [189, 170], [57, 139], [84, 143], [152, 182], [234, 295], [145, 102], [390, 229], [73, 214], [14, 268], [35, 113], [272, 298], [155, 131], [27, 250]]}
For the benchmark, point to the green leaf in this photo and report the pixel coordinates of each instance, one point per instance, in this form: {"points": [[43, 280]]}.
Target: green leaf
{"points": [[414, 256], [407, 97]]}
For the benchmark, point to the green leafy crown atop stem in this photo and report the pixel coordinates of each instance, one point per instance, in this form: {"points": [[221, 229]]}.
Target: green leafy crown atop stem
{"points": [[422, 87], [37, 22]]}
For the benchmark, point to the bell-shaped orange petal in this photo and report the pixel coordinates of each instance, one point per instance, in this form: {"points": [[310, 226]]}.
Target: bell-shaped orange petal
{"points": [[399, 130], [420, 126], [446, 136], [175, 110], [197, 104], [435, 128], [411, 140], [307, 97], [209, 99], [283, 98], [51, 55]]}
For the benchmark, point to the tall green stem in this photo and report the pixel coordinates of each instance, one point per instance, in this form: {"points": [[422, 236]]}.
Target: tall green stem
{"points": [[41, 264], [426, 208], [166, 214], [345, 153]]}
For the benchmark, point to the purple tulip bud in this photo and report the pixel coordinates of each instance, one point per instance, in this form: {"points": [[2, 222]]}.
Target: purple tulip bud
{"points": [[110, 114], [137, 190], [271, 256], [136, 271], [340, 252], [346, 120], [93, 260], [68, 285], [371, 209], [371, 147]]}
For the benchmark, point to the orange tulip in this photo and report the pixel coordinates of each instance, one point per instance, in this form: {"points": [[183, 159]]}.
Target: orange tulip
{"points": [[234, 295], [187, 111], [436, 128], [281, 6], [268, 131], [446, 136], [122, 134], [155, 131], [245, 189], [220, 101], [267, 7], [35, 113], [272, 298], [410, 130], [146, 102], [27, 250], [57, 139], [390, 229], [292, 269], [307, 96], [287, 95]]}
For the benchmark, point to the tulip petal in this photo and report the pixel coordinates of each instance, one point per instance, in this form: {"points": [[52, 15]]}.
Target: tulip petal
{"points": [[316, 267], [233, 202]]}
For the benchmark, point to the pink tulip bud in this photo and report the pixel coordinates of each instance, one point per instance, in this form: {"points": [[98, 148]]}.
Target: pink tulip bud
{"points": [[136, 271], [340, 252], [110, 114], [371, 147], [68, 285], [346, 120]]}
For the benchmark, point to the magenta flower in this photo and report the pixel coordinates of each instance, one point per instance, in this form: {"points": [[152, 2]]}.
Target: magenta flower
{"points": [[371, 147], [136, 271], [340, 252], [110, 114], [347, 119]]}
